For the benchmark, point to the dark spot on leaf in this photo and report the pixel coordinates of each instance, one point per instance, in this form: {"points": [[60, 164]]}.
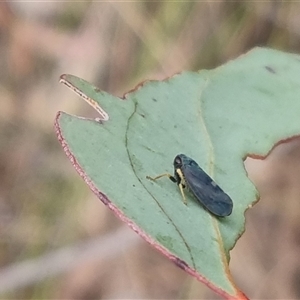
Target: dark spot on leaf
{"points": [[180, 263], [271, 70], [97, 90], [155, 100], [142, 115], [102, 197], [99, 120]]}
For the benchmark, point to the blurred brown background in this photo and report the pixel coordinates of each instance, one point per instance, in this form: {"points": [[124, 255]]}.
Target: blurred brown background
{"points": [[57, 240]]}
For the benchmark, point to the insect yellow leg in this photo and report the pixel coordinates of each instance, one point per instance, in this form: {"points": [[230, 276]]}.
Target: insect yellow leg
{"points": [[159, 176], [182, 193]]}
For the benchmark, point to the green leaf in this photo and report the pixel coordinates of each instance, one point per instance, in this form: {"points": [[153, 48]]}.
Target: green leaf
{"points": [[218, 118]]}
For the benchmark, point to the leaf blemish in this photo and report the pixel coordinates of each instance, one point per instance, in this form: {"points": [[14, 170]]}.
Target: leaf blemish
{"points": [[271, 70], [181, 264]]}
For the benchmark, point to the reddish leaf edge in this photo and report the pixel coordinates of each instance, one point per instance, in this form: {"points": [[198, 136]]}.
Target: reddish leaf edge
{"points": [[103, 114], [262, 157], [118, 213]]}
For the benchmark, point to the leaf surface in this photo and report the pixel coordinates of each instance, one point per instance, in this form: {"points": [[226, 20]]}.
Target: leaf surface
{"points": [[217, 117]]}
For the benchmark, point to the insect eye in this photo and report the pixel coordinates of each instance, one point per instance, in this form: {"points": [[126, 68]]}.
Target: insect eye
{"points": [[177, 162]]}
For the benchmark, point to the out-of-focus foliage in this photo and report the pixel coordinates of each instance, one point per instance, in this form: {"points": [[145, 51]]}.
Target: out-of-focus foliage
{"points": [[43, 203]]}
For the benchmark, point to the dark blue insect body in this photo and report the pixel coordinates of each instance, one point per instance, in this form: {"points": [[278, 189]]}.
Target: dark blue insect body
{"points": [[188, 174]]}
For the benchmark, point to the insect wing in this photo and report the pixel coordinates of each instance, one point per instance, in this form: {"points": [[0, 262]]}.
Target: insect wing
{"points": [[207, 191]]}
